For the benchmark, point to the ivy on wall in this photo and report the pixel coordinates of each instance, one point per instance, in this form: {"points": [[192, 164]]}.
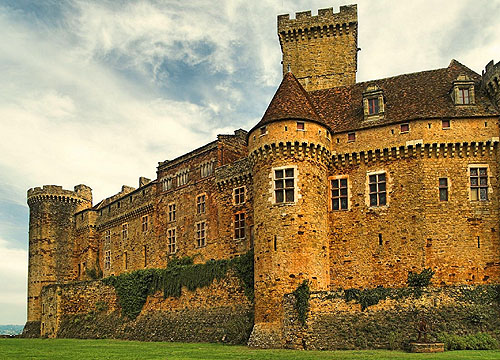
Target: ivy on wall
{"points": [[302, 294], [133, 288]]}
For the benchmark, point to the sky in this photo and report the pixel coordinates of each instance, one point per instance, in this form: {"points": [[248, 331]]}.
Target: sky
{"points": [[98, 92]]}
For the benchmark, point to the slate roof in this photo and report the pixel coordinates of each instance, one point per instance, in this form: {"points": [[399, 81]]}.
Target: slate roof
{"points": [[290, 101], [421, 95]]}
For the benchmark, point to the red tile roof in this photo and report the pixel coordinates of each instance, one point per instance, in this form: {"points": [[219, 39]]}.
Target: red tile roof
{"points": [[413, 96], [290, 101]]}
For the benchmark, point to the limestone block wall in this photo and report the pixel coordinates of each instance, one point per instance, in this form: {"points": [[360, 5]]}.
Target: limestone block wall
{"points": [[334, 323], [218, 313], [379, 245]]}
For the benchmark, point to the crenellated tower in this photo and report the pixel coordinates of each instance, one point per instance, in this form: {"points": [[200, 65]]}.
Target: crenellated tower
{"points": [[491, 81], [320, 50], [289, 151], [51, 238]]}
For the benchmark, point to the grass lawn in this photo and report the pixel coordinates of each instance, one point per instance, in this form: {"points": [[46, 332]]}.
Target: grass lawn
{"points": [[66, 349]]}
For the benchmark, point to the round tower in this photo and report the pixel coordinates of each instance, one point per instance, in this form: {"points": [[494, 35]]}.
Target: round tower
{"points": [[289, 149], [51, 228]]}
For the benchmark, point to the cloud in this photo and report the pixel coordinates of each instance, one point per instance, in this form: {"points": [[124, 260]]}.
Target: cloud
{"points": [[13, 275]]}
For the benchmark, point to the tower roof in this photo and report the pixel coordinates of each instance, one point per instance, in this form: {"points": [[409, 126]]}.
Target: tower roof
{"points": [[290, 101]]}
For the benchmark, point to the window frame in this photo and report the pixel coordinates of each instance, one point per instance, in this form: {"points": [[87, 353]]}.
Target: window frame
{"points": [[240, 198], [373, 105], [407, 125], [444, 189], [201, 207], [351, 137], [275, 190], [369, 191], [477, 187], [301, 126], [107, 259], [199, 230], [124, 231], [144, 223], [172, 240], [443, 127], [172, 212], [339, 197], [239, 224]]}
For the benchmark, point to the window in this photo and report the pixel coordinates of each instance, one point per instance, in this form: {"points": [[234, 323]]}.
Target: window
{"points": [[125, 260], [200, 204], [145, 223], [171, 212], [377, 187], [445, 123], [351, 137], [171, 241], [239, 226], [373, 106], [339, 194], [284, 185], [125, 231], [206, 169], [463, 96], [107, 260], [239, 195], [405, 128], [167, 184], [107, 238], [118, 204], [300, 125], [443, 189], [182, 177], [479, 183], [263, 130], [201, 234]]}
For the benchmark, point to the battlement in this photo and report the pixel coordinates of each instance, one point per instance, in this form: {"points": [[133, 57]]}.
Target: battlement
{"points": [[81, 193], [326, 19], [491, 81]]}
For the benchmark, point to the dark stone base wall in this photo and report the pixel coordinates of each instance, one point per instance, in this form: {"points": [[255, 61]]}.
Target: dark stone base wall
{"points": [[31, 329], [230, 325], [333, 323]]}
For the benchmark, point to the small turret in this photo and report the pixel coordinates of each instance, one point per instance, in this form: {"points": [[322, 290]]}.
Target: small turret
{"points": [[491, 81], [320, 50], [51, 231]]}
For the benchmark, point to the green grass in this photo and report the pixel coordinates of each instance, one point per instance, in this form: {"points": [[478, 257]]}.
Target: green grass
{"points": [[66, 349]]}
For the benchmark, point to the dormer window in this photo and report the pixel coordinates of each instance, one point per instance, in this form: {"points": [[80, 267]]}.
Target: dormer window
{"points": [[373, 102], [463, 91], [263, 130]]}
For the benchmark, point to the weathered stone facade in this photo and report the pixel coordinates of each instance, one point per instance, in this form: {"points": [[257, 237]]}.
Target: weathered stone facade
{"points": [[345, 185]]}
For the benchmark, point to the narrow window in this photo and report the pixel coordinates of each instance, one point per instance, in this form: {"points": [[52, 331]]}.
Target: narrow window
{"points": [[479, 183], [485, 124], [200, 204], [284, 185], [478, 242], [351, 137], [239, 226], [446, 124], [107, 259], [171, 241], [125, 260], [107, 238], [239, 195], [79, 270], [286, 128], [263, 130], [373, 106], [405, 128], [145, 255], [300, 125], [131, 198], [200, 234], [144, 223], [380, 242], [171, 212], [206, 169], [339, 194], [377, 185], [167, 184], [275, 243], [118, 204], [125, 231], [443, 189]]}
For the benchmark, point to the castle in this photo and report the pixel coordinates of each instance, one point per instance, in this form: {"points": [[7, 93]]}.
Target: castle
{"points": [[342, 184]]}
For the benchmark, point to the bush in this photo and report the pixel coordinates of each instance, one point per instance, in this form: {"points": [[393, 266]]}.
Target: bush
{"points": [[421, 279], [479, 341]]}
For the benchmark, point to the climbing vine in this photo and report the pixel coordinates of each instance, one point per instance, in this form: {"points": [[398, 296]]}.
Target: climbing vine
{"points": [[133, 288], [302, 294]]}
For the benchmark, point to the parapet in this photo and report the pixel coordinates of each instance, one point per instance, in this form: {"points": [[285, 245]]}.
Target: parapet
{"points": [[81, 193], [491, 80], [326, 19]]}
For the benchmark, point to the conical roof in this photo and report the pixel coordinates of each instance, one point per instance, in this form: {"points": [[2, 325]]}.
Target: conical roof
{"points": [[290, 101]]}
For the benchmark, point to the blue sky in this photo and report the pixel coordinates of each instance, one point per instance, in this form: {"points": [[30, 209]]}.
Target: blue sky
{"points": [[97, 92]]}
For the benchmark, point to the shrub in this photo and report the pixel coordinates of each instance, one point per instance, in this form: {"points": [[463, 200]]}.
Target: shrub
{"points": [[479, 341], [421, 279]]}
